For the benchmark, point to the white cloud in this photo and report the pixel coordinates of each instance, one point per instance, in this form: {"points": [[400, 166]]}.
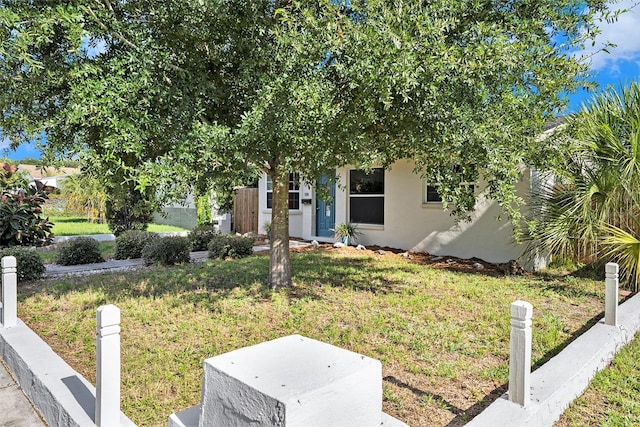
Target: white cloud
{"points": [[4, 143], [624, 33]]}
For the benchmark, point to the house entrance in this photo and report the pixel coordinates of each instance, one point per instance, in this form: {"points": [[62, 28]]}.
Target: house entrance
{"points": [[325, 210]]}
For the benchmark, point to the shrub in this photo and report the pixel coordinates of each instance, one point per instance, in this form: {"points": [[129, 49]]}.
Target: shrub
{"points": [[224, 245], [201, 235], [82, 250], [30, 265], [21, 221], [130, 244], [167, 251]]}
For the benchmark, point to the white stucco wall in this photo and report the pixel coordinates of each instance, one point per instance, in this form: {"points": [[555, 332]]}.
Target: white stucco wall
{"points": [[298, 219], [411, 224]]}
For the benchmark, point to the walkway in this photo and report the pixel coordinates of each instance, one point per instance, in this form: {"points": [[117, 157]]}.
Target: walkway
{"points": [[127, 264], [15, 408]]}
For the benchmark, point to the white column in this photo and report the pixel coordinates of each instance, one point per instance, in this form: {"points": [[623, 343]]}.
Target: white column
{"points": [[611, 294], [9, 291], [520, 358], [108, 366]]}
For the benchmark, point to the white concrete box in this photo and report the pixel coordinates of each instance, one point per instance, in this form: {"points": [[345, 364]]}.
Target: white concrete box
{"points": [[291, 381]]}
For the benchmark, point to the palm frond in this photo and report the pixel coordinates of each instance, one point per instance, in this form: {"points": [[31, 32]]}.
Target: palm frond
{"points": [[623, 247]]}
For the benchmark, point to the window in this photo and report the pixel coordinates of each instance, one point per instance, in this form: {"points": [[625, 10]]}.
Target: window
{"points": [[432, 196], [366, 196], [294, 192], [431, 190]]}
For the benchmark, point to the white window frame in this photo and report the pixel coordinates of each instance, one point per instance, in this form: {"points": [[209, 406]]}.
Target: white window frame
{"points": [[370, 195], [294, 188]]}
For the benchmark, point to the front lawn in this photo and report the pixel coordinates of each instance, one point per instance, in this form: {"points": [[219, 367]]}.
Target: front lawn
{"points": [[442, 336], [78, 225]]}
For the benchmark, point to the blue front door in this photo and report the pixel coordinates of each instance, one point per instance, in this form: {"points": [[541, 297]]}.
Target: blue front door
{"points": [[325, 211]]}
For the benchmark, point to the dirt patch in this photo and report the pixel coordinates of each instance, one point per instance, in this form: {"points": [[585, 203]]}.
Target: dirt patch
{"points": [[451, 263]]}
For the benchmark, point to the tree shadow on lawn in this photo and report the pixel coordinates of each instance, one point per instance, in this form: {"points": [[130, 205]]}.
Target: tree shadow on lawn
{"points": [[219, 279], [463, 416], [206, 283]]}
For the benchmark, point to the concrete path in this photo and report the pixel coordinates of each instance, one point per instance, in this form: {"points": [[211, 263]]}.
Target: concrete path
{"points": [[53, 270], [109, 265], [15, 408]]}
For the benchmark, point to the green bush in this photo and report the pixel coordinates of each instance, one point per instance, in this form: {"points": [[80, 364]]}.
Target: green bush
{"points": [[167, 251], [224, 245], [82, 250], [201, 235], [21, 221], [30, 265], [21, 204], [129, 244]]}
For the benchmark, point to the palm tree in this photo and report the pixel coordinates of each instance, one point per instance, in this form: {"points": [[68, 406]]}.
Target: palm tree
{"points": [[86, 195], [594, 206]]}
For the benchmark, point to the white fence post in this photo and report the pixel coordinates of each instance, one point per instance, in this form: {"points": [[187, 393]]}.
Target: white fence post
{"points": [[9, 291], [611, 294], [520, 357], [108, 366]]}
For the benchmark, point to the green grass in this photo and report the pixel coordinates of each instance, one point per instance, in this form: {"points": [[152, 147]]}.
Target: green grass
{"points": [[612, 398], [442, 337], [77, 225]]}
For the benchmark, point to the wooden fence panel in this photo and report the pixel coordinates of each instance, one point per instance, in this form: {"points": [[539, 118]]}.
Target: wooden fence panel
{"points": [[245, 210]]}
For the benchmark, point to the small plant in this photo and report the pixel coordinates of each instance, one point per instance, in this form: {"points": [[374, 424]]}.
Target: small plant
{"points": [[347, 232], [83, 250], [167, 251], [224, 245], [267, 229], [129, 244], [201, 235], [29, 263]]}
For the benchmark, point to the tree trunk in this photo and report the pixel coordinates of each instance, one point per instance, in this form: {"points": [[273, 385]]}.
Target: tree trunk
{"points": [[280, 262]]}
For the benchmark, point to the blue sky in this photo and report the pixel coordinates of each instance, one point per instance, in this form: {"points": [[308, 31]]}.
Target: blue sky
{"points": [[620, 65]]}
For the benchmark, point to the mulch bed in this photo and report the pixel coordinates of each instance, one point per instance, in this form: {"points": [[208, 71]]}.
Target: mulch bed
{"points": [[471, 265]]}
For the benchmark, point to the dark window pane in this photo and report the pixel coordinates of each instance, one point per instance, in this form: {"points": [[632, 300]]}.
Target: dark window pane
{"points": [[432, 194], [294, 200], [269, 200], [361, 182], [294, 183], [367, 210]]}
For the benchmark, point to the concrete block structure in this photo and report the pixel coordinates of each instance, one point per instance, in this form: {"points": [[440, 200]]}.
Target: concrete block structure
{"points": [[291, 381]]}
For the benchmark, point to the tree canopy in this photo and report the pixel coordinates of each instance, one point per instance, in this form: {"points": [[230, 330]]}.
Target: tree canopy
{"points": [[212, 89]]}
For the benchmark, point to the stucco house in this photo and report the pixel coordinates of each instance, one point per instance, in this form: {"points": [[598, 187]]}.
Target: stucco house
{"points": [[48, 176], [396, 208]]}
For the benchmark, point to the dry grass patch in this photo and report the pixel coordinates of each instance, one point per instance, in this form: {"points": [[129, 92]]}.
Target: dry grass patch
{"points": [[442, 336]]}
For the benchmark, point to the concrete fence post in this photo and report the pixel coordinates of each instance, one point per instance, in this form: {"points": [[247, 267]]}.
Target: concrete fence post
{"points": [[108, 366], [611, 294], [9, 291], [520, 357]]}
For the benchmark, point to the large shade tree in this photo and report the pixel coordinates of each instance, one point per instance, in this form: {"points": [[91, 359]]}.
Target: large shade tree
{"points": [[223, 86]]}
